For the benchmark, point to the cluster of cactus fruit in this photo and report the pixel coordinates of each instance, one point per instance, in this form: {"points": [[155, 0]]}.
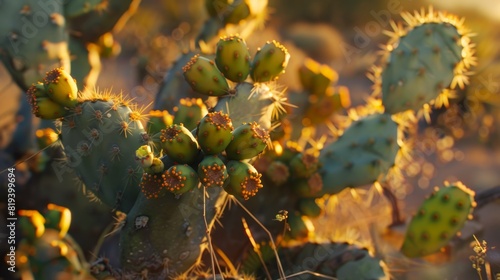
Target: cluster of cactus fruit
{"points": [[173, 178]]}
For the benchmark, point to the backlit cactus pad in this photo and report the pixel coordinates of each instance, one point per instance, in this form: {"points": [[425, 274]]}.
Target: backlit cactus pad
{"points": [[439, 218]]}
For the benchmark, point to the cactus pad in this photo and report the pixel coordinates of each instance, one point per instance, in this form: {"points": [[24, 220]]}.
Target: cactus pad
{"points": [[439, 218], [365, 151]]}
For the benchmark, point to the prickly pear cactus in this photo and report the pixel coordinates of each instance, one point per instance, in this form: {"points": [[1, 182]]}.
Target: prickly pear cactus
{"points": [[439, 218], [429, 56], [205, 77], [46, 251], [100, 138], [340, 260], [98, 132], [165, 240], [366, 150], [33, 39]]}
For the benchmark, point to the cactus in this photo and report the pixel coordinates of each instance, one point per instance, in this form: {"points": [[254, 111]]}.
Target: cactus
{"points": [[339, 260], [365, 151], [269, 62], [214, 132], [233, 58], [97, 136], [76, 8], [244, 180], [46, 251], [174, 86], [249, 140], [179, 144], [61, 87], [189, 112], [439, 218], [180, 179], [33, 45], [212, 172], [174, 179], [435, 57], [204, 77]]}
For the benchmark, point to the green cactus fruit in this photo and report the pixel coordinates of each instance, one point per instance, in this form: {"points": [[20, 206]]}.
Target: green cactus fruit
{"points": [[152, 185], [158, 120], [311, 187], [189, 112], [300, 227], [100, 139], [304, 165], [179, 144], [214, 132], [309, 207], [278, 172], [45, 108], [180, 179], [249, 140], [244, 180], [232, 57], [61, 87], [269, 62], [365, 151], [31, 224], [174, 86], [420, 66], [212, 172], [438, 220], [58, 218], [204, 77], [257, 101]]}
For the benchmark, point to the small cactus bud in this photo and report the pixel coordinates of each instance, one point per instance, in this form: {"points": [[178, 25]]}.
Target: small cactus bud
{"points": [[144, 156]]}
